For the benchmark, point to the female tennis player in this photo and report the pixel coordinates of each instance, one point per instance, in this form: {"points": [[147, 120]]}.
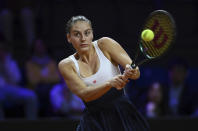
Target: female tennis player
{"points": [[92, 73]]}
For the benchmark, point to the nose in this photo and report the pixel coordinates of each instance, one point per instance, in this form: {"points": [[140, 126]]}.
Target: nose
{"points": [[83, 38]]}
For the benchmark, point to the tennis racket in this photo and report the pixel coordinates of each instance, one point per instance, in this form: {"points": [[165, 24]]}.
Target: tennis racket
{"points": [[162, 24]]}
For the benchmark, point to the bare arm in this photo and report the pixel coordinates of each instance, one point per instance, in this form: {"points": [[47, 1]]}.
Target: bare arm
{"points": [[118, 56], [114, 52], [78, 87]]}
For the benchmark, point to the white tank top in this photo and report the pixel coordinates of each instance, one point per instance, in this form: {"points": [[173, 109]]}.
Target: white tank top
{"points": [[105, 72]]}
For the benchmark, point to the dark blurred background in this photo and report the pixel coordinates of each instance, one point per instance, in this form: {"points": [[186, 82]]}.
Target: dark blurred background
{"points": [[120, 20], [27, 25]]}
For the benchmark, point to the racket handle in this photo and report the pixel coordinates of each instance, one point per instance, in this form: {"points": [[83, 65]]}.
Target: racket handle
{"points": [[133, 65]]}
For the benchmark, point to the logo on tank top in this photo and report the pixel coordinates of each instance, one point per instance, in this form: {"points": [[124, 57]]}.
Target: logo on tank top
{"points": [[94, 81]]}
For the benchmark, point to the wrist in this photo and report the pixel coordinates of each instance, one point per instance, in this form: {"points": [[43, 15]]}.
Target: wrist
{"points": [[108, 84]]}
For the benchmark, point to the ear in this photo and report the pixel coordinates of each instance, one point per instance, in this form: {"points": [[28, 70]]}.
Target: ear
{"points": [[68, 38]]}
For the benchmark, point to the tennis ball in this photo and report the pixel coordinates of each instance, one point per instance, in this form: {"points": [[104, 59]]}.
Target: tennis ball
{"points": [[147, 35]]}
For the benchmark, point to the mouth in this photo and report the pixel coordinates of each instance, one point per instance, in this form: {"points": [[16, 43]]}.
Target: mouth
{"points": [[84, 45]]}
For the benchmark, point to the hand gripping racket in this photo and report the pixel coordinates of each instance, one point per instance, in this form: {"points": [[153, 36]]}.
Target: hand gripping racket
{"points": [[163, 25]]}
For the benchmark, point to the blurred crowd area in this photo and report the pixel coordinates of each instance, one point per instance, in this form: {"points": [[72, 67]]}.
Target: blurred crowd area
{"points": [[32, 42]]}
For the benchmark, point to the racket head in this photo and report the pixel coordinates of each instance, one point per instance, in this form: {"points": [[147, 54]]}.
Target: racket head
{"points": [[163, 26]]}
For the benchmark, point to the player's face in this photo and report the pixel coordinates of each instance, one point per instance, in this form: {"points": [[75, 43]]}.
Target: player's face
{"points": [[81, 36]]}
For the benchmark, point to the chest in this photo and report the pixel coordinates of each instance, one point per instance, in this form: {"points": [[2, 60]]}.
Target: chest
{"points": [[88, 69]]}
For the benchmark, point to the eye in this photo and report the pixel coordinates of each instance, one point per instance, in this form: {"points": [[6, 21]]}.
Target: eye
{"points": [[77, 34], [87, 32]]}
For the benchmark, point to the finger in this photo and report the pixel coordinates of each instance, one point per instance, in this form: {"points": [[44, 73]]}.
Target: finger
{"points": [[124, 78], [117, 82], [121, 82], [128, 75], [137, 68], [118, 87], [128, 71], [128, 66], [134, 70]]}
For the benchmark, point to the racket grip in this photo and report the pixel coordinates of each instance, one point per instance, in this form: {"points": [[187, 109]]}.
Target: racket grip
{"points": [[133, 65]]}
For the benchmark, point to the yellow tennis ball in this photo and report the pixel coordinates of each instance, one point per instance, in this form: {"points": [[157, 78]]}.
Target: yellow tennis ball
{"points": [[147, 35]]}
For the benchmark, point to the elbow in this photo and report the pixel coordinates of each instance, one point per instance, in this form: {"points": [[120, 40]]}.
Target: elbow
{"points": [[85, 99], [84, 95]]}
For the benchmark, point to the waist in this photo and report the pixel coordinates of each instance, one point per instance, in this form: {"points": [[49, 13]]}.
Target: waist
{"points": [[106, 101]]}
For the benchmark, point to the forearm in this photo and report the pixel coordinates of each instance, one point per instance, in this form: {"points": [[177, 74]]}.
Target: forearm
{"points": [[114, 52], [89, 93], [92, 93], [78, 87]]}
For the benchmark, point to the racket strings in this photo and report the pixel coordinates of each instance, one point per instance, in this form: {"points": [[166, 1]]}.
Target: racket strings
{"points": [[164, 27], [150, 50]]}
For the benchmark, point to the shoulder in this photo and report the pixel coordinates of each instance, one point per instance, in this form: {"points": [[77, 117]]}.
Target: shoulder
{"points": [[66, 65], [105, 39], [67, 62], [106, 43]]}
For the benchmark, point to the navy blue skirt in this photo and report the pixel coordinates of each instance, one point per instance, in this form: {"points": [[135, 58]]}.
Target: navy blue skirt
{"points": [[112, 112]]}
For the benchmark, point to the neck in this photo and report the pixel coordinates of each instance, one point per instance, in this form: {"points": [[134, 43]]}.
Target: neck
{"points": [[86, 56]]}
